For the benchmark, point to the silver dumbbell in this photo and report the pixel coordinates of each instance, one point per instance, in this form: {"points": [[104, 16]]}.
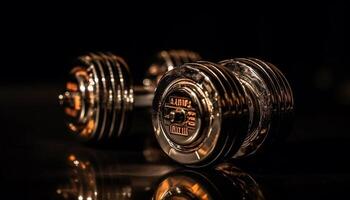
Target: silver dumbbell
{"points": [[205, 112], [100, 94]]}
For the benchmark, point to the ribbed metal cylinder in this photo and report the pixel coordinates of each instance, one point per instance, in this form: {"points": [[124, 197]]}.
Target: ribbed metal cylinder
{"points": [[100, 94], [205, 112], [98, 97]]}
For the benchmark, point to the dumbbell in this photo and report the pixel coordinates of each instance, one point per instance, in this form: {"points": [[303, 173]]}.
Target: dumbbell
{"points": [[100, 95], [206, 112]]}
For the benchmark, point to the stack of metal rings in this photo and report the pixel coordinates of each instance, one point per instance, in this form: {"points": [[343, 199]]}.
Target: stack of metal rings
{"points": [[100, 94], [166, 61], [98, 97], [205, 112]]}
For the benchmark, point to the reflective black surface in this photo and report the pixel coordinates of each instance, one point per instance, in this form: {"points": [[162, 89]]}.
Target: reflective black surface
{"points": [[36, 150]]}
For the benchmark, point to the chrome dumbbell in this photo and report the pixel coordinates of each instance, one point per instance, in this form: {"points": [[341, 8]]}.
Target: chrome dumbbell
{"points": [[100, 94], [205, 112]]}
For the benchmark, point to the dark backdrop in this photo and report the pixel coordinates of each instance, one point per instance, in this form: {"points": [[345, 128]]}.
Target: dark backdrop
{"points": [[307, 42]]}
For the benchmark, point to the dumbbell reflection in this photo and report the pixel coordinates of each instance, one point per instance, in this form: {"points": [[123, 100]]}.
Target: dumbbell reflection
{"points": [[93, 181], [222, 182]]}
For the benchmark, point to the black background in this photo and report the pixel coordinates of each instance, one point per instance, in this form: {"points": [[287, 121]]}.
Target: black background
{"points": [[308, 43]]}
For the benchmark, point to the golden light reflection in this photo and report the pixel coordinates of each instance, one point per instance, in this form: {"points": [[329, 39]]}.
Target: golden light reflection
{"points": [[79, 71], [89, 128], [77, 102], [154, 70], [72, 157], [182, 185], [72, 86], [71, 112], [72, 128], [81, 184]]}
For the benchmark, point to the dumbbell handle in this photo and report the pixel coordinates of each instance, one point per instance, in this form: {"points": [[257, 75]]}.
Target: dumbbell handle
{"points": [[143, 96]]}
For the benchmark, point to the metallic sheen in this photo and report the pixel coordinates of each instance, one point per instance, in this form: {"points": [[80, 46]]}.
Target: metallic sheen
{"points": [[205, 112], [98, 97], [100, 94], [222, 182]]}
